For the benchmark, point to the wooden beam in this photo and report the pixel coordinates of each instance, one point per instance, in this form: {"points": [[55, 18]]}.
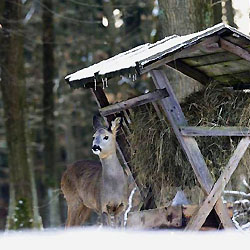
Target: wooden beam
{"points": [[167, 217], [215, 131], [235, 49], [206, 59], [190, 71], [177, 119], [101, 99], [134, 102], [189, 210], [198, 220], [234, 79], [209, 45], [242, 195]]}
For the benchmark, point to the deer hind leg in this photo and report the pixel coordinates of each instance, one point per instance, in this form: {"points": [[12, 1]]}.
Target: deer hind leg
{"points": [[77, 215], [84, 214]]}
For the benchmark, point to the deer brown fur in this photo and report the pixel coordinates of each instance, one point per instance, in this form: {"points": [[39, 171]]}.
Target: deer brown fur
{"points": [[89, 185]]}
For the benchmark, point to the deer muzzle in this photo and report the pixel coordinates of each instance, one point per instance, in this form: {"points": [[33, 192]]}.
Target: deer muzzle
{"points": [[96, 149]]}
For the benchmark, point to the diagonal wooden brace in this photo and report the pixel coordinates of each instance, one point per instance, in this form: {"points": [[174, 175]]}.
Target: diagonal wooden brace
{"points": [[198, 220], [177, 119], [234, 49]]}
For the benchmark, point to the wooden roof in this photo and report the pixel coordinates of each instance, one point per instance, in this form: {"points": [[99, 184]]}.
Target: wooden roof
{"points": [[219, 53]]}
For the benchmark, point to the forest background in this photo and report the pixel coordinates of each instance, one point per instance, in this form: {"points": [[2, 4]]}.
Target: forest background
{"points": [[45, 125]]}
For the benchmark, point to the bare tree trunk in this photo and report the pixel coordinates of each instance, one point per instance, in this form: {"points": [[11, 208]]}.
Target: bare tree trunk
{"points": [[217, 9], [183, 17], [230, 13], [70, 142], [23, 205], [51, 181]]}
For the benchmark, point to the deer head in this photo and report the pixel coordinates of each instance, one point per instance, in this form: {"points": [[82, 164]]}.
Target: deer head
{"points": [[104, 139]]}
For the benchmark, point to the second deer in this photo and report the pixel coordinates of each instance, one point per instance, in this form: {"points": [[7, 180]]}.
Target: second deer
{"points": [[89, 185]]}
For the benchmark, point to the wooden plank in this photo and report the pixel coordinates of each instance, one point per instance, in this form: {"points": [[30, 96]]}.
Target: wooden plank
{"points": [[190, 71], [222, 212], [225, 68], [243, 77], [198, 220], [210, 59], [235, 49], [189, 210], [207, 46], [239, 40], [167, 217], [176, 118], [215, 131], [134, 102]]}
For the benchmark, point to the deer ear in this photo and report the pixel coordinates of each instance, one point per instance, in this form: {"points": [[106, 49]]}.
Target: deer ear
{"points": [[97, 123], [115, 125]]}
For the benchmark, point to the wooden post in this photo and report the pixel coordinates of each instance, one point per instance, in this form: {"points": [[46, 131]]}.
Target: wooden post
{"points": [[134, 102], [167, 217], [190, 71], [176, 118], [215, 131], [234, 49], [198, 220]]}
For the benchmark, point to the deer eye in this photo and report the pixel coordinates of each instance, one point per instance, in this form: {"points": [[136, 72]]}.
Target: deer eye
{"points": [[105, 137]]}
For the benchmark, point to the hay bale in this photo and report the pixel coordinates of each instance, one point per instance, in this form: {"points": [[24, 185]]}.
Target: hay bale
{"points": [[156, 156]]}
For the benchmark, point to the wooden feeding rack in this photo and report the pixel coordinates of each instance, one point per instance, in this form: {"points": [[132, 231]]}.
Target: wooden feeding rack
{"points": [[219, 53]]}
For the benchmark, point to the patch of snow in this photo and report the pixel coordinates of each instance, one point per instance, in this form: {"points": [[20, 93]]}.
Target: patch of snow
{"points": [[246, 226], [180, 199], [100, 238], [240, 193], [130, 199], [243, 202]]}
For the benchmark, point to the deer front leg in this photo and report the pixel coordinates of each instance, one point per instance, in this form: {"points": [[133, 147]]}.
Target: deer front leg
{"points": [[105, 219], [119, 220], [119, 216]]}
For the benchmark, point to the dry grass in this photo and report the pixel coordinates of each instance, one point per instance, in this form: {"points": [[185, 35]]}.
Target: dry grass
{"points": [[157, 158]]}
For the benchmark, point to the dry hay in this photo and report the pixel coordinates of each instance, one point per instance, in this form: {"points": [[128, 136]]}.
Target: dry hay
{"points": [[158, 160]]}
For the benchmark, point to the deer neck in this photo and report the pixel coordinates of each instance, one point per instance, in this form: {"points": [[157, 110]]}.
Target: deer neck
{"points": [[111, 165]]}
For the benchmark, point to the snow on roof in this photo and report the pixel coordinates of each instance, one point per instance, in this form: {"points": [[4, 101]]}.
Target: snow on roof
{"points": [[135, 59]]}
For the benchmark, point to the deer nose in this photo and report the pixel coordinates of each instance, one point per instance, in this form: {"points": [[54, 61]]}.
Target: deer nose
{"points": [[96, 148]]}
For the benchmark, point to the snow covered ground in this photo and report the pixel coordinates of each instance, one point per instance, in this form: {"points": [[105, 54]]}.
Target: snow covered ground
{"points": [[94, 238]]}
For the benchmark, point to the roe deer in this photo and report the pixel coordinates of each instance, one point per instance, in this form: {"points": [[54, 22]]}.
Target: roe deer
{"points": [[89, 185]]}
